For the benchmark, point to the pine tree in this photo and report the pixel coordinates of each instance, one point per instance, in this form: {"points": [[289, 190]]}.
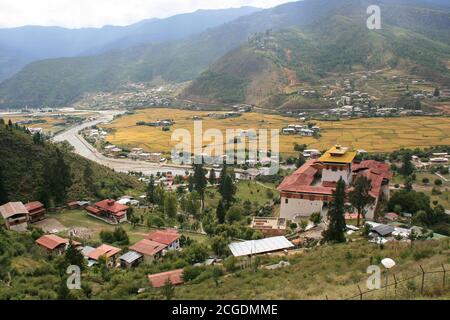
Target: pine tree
{"points": [[74, 256], [336, 224], [220, 212], [360, 197], [212, 177], [407, 168], [3, 193], [200, 182], [170, 205], [223, 174], [228, 191], [151, 190]]}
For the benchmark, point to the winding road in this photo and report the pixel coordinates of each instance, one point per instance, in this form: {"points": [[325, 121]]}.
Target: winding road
{"points": [[83, 148]]}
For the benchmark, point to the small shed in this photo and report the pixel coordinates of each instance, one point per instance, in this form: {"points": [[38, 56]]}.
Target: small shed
{"points": [[130, 259], [383, 230]]}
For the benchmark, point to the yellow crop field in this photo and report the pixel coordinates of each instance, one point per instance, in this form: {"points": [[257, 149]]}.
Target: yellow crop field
{"points": [[373, 135]]}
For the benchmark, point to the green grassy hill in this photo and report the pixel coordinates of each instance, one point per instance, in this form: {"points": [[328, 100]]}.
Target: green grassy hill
{"points": [[24, 169]]}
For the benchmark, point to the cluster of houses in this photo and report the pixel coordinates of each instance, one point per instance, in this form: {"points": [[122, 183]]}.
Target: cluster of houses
{"points": [[139, 154], [155, 245], [157, 123], [18, 216], [437, 159], [303, 130]]}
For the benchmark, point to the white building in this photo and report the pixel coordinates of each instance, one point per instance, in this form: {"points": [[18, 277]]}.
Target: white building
{"points": [[310, 189]]}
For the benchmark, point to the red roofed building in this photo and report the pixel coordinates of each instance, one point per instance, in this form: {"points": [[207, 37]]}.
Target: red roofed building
{"points": [[109, 210], [149, 249], [36, 211], [175, 277], [15, 215], [109, 252], [309, 189], [170, 238], [54, 244]]}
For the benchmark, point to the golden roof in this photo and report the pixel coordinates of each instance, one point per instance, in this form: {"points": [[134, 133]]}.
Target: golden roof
{"points": [[338, 154]]}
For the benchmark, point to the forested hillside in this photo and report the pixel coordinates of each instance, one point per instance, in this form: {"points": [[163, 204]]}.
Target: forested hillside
{"points": [[31, 169]]}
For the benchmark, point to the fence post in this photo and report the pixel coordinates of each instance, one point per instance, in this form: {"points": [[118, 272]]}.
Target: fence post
{"points": [[395, 290], [443, 277], [360, 293], [423, 280]]}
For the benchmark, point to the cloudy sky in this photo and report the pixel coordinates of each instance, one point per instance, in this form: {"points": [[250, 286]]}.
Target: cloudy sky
{"points": [[97, 13]]}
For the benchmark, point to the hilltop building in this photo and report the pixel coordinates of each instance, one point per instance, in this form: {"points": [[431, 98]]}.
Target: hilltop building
{"points": [[310, 189]]}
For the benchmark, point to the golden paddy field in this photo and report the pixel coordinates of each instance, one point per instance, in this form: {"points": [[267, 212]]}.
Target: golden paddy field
{"points": [[373, 135], [50, 126]]}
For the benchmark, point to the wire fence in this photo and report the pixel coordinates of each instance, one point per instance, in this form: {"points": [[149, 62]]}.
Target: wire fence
{"points": [[421, 284]]}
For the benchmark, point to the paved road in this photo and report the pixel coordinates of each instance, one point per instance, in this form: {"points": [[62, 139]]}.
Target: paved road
{"points": [[83, 148]]}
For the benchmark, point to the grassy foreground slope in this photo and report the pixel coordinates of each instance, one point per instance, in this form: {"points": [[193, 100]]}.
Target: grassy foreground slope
{"points": [[333, 272]]}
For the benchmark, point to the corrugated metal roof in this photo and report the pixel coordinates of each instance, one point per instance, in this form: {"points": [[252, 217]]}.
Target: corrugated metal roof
{"points": [[246, 248], [131, 256]]}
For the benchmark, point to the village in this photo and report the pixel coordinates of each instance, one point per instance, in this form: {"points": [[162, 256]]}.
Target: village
{"points": [[285, 225]]}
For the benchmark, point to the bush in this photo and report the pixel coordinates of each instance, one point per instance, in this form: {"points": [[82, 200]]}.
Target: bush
{"points": [[191, 273], [438, 182]]}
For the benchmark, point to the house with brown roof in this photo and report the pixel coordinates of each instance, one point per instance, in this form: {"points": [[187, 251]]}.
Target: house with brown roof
{"points": [[158, 280], [54, 244], [36, 211], [109, 210], [170, 238], [310, 189], [269, 226], [150, 250], [109, 252], [15, 215]]}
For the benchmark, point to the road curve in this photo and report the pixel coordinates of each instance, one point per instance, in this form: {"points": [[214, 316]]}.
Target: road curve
{"points": [[83, 148]]}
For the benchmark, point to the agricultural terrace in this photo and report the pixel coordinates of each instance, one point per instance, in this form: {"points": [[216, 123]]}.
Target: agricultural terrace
{"points": [[373, 135]]}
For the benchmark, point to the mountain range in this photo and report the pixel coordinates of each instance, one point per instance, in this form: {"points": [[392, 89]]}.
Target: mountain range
{"points": [[20, 46], [250, 58]]}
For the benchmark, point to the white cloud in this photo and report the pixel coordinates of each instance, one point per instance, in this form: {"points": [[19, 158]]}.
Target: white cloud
{"points": [[96, 13]]}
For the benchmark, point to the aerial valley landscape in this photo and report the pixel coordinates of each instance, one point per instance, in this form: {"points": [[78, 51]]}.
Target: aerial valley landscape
{"points": [[281, 150]]}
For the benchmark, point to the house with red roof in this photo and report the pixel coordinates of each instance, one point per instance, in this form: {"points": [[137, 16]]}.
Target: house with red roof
{"points": [[149, 249], [109, 252], [36, 211], [158, 280], [109, 210], [170, 238], [310, 189], [54, 244]]}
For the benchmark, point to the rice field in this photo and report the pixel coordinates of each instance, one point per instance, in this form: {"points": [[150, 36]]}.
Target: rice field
{"points": [[373, 135]]}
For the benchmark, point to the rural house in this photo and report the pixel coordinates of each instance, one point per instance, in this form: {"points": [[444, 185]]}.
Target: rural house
{"points": [[158, 280], [151, 250], [170, 238], [109, 252], [15, 215], [36, 211], [54, 245], [269, 226], [109, 210]]}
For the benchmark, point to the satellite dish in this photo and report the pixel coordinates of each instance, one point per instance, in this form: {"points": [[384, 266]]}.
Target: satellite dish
{"points": [[388, 263]]}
